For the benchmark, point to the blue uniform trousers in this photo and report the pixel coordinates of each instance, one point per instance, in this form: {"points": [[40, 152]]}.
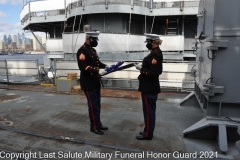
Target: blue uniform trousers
{"points": [[149, 113], [94, 106]]}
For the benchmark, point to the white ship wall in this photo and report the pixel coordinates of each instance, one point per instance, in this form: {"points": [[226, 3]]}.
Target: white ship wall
{"points": [[54, 45], [120, 43], [16, 67]]}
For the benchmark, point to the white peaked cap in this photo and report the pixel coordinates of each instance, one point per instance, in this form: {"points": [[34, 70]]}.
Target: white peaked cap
{"points": [[152, 37], [92, 34]]}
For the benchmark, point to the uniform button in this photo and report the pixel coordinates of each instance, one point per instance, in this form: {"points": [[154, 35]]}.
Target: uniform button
{"points": [[92, 56]]}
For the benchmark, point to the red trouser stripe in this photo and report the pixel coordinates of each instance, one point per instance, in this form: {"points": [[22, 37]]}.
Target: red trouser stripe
{"points": [[94, 122], [147, 124]]}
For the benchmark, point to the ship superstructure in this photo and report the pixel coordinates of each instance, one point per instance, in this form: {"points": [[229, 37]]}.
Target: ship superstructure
{"points": [[122, 24]]}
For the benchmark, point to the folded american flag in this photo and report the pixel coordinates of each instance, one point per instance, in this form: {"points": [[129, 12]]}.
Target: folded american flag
{"points": [[118, 68]]}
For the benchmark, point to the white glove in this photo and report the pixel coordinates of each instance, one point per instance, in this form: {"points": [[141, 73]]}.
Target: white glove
{"points": [[138, 66], [106, 66], [102, 73]]}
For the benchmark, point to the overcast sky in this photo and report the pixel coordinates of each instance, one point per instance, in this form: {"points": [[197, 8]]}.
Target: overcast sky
{"points": [[10, 18]]}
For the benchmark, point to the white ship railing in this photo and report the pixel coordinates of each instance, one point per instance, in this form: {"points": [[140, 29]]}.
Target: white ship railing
{"points": [[19, 71], [40, 8], [175, 75]]}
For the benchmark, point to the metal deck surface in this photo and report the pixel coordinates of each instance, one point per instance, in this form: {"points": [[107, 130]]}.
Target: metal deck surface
{"points": [[47, 116]]}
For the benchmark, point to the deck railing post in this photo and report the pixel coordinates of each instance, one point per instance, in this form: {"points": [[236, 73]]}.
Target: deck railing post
{"points": [[6, 66], [54, 61], [38, 71]]}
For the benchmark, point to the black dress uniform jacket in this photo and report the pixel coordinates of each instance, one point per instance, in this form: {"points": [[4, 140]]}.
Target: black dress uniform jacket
{"points": [[89, 64], [150, 71]]}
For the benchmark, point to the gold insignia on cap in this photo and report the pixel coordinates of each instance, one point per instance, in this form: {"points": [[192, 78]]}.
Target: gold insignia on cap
{"points": [[82, 57], [154, 61]]}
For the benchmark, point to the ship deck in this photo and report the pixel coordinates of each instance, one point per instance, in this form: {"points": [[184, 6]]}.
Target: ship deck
{"points": [[40, 120]]}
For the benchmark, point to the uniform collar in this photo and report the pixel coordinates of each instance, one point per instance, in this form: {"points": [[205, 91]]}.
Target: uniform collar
{"points": [[86, 45], [154, 50]]}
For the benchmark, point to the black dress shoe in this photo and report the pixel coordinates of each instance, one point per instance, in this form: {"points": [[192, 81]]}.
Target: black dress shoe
{"points": [[104, 128], [96, 131], [143, 138]]}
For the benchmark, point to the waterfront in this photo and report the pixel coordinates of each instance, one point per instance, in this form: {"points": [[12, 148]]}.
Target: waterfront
{"points": [[24, 57]]}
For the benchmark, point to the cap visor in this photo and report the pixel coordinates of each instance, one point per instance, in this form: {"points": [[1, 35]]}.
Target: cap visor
{"points": [[96, 38]]}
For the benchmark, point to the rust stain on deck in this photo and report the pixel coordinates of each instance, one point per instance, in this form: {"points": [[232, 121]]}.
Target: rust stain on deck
{"points": [[105, 106], [8, 97], [121, 94], [141, 125]]}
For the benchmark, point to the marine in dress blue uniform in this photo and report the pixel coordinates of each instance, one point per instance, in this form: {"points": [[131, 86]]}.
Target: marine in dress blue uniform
{"points": [[149, 86], [89, 65]]}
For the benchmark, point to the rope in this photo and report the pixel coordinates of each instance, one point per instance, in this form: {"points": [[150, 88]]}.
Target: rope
{"points": [[74, 24], [78, 32], [64, 23], [130, 19], [152, 24]]}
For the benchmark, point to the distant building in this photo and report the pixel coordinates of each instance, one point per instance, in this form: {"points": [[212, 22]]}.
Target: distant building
{"points": [[5, 39], [29, 44], [1, 45], [28, 41], [36, 45], [13, 45], [28, 47], [9, 40], [14, 42], [5, 45], [23, 43], [19, 40], [14, 38], [23, 36]]}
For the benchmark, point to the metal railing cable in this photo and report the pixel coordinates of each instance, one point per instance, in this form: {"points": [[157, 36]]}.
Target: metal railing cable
{"points": [[152, 24], [78, 32], [74, 25]]}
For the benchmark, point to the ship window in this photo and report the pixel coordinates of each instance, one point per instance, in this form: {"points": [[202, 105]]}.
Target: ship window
{"points": [[136, 26]]}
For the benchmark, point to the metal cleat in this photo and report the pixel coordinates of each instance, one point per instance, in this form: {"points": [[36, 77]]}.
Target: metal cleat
{"points": [[212, 89]]}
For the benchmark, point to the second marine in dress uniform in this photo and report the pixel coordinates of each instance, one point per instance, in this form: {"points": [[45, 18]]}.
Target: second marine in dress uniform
{"points": [[89, 65], [149, 85]]}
